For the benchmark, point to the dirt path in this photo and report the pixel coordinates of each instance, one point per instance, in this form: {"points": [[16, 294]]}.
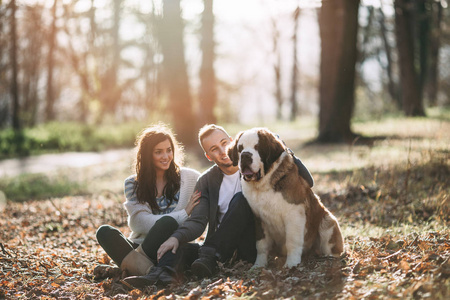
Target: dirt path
{"points": [[48, 163]]}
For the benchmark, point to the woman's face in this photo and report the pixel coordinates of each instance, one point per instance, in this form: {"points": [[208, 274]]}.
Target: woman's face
{"points": [[162, 155]]}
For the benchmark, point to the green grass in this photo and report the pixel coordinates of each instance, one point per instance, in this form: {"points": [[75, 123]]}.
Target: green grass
{"points": [[39, 186], [71, 136], [63, 137]]}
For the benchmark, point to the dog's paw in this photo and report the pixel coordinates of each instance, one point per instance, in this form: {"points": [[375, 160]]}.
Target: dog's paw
{"points": [[256, 268], [290, 266], [292, 262], [261, 261]]}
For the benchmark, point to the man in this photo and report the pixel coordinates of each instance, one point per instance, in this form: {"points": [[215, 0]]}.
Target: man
{"points": [[222, 205], [231, 222]]}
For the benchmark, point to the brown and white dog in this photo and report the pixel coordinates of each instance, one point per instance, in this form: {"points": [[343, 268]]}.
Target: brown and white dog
{"points": [[292, 217]]}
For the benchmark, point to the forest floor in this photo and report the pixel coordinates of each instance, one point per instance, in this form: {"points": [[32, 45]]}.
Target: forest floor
{"points": [[391, 198]]}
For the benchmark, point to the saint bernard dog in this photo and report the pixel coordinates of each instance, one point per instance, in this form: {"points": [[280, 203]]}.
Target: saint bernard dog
{"points": [[290, 217]]}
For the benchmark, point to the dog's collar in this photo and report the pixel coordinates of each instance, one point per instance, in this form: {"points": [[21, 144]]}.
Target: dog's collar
{"points": [[289, 151]]}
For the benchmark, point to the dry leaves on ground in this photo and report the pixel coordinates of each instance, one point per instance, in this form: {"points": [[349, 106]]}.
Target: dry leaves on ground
{"points": [[49, 251], [48, 248]]}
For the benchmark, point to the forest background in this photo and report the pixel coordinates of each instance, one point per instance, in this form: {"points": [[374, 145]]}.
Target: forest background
{"points": [[358, 89]]}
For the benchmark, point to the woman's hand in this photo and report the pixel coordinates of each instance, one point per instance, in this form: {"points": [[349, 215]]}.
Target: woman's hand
{"points": [[195, 199]]}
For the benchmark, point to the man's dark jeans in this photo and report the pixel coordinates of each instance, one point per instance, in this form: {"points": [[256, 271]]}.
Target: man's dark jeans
{"points": [[236, 232]]}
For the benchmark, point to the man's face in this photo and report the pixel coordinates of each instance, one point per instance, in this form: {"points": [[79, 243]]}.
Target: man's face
{"points": [[215, 146]]}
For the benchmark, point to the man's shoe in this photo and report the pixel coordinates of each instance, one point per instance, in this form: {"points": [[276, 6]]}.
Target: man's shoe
{"points": [[157, 275], [206, 264], [167, 276]]}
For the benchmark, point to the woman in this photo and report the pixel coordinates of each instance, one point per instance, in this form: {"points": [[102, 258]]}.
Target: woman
{"points": [[159, 197]]}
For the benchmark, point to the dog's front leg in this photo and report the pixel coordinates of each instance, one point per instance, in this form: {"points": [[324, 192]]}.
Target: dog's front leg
{"points": [[263, 245], [295, 236]]}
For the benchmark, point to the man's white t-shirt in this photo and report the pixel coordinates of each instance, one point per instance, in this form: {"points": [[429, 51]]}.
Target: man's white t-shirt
{"points": [[231, 184]]}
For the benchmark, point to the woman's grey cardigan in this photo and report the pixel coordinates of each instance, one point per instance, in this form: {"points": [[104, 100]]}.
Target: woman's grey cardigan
{"points": [[140, 216]]}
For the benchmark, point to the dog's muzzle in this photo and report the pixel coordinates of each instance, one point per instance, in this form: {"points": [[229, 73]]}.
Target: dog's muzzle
{"points": [[246, 170]]}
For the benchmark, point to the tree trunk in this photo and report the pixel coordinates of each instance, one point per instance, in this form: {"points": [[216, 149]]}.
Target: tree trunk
{"points": [[366, 33], [14, 87], [208, 92], [49, 109], [294, 106], [423, 37], [338, 22], [411, 93], [31, 66], [78, 61], [175, 74], [150, 69], [277, 69], [392, 85], [110, 91], [435, 45]]}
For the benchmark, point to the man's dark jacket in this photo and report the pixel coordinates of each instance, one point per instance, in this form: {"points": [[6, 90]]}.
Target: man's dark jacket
{"points": [[206, 211]]}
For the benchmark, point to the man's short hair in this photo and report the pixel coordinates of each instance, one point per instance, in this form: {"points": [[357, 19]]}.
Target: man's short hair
{"points": [[206, 130]]}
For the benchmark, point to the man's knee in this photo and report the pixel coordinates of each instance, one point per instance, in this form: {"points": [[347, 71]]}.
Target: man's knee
{"points": [[239, 202]]}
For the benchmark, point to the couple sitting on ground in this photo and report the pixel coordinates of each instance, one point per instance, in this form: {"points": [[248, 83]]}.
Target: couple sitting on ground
{"points": [[169, 206]]}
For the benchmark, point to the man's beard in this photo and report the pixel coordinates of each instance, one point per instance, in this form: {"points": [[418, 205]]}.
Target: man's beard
{"points": [[225, 165]]}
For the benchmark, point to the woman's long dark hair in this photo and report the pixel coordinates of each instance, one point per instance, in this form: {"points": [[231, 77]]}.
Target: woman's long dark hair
{"points": [[145, 185]]}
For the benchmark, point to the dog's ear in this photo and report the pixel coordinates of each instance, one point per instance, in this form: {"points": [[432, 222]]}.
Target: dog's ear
{"points": [[232, 151], [270, 148]]}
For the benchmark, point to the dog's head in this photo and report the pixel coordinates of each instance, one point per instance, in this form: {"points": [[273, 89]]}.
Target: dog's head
{"points": [[255, 151]]}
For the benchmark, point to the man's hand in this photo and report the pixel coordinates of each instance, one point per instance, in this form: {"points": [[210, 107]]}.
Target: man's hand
{"points": [[171, 244]]}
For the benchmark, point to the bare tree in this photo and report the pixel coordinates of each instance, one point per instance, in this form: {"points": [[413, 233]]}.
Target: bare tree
{"points": [[110, 91], [175, 73], [4, 67], [50, 109], [338, 22], [30, 71], [77, 58], [208, 91], [294, 105], [392, 84], [422, 21], [432, 86], [14, 64], [411, 91], [277, 67], [150, 69]]}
